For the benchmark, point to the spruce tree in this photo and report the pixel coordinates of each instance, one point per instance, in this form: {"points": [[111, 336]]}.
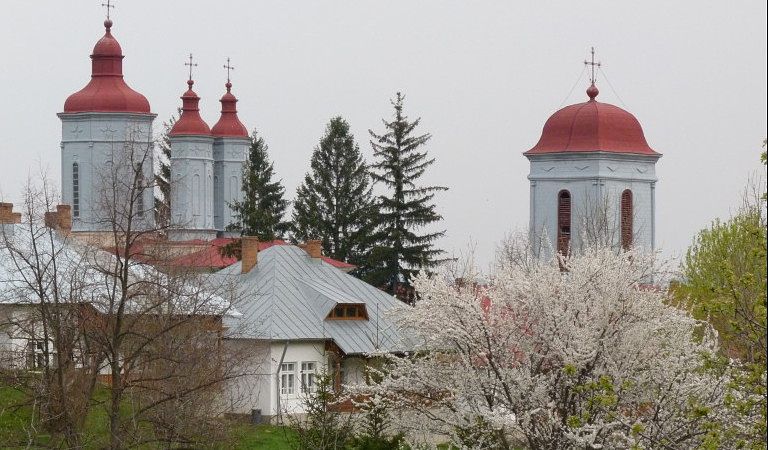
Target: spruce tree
{"points": [[261, 211], [335, 203], [407, 207], [163, 176]]}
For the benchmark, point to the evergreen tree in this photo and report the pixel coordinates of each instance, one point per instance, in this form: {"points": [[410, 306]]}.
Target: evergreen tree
{"points": [[163, 176], [261, 211], [335, 202], [407, 207]]}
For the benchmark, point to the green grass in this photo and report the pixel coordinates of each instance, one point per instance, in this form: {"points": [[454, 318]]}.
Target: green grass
{"points": [[15, 427]]}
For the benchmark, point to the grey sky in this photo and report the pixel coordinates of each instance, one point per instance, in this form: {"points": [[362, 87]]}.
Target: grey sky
{"points": [[484, 76]]}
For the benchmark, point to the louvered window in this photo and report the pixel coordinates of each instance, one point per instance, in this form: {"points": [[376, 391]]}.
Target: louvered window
{"points": [[140, 189], [563, 221], [626, 219], [75, 190]]}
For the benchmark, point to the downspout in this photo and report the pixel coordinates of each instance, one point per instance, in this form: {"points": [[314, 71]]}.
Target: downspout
{"points": [[277, 382]]}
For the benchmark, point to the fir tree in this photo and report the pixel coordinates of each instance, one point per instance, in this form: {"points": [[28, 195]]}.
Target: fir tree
{"points": [[407, 208], [163, 176], [335, 203], [261, 211]]}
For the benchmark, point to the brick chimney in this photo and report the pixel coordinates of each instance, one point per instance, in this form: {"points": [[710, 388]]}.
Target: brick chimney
{"points": [[61, 219], [314, 248], [7, 216], [250, 252]]}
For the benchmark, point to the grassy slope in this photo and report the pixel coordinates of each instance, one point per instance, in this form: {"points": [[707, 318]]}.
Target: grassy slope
{"points": [[15, 426]]}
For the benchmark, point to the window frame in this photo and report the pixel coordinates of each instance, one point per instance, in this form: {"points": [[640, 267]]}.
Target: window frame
{"points": [[308, 377], [348, 311], [564, 238], [75, 189], [626, 208], [288, 378]]}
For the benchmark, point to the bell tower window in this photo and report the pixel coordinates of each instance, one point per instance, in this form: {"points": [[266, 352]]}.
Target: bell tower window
{"points": [[626, 219], [75, 190], [563, 221]]}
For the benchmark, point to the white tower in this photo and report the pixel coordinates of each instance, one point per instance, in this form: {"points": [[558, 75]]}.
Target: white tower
{"points": [[592, 180], [191, 172], [230, 150], [106, 146]]}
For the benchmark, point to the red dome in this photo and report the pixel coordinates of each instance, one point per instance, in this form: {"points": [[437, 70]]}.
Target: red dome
{"points": [[229, 124], [190, 122], [592, 127], [107, 91]]}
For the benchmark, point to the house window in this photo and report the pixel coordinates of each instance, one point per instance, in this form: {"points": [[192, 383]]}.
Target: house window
{"points": [[287, 378], [36, 354], [353, 311], [76, 190], [626, 219], [563, 221], [308, 373]]}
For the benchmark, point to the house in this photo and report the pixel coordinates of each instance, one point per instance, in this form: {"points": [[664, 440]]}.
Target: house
{"points": [[46, 265], [304, 317]]}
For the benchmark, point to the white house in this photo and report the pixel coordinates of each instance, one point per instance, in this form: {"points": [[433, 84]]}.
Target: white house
{"points": [[303, 316]]}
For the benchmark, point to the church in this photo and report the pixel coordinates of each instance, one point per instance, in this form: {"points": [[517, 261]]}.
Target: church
{"points": [[107, 119], [593, 180]]}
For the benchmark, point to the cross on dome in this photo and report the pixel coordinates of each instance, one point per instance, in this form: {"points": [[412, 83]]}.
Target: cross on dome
{"points": [[109, 6], [190, 64], [594, 64], [228, 67]]}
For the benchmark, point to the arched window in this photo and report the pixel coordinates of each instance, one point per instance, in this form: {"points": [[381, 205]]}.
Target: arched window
{"points": [[563, 221], [75, 190], [140, 191], [626, 219]]}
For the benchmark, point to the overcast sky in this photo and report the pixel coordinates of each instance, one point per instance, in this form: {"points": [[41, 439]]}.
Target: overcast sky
{"points": [[484, 77]]}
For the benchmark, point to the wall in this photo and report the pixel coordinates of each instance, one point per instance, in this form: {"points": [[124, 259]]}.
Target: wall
{"points": [[592, 178], [96, 141]]}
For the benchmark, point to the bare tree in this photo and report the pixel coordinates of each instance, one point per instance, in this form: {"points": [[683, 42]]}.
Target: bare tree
{"points": [[117, 314]]}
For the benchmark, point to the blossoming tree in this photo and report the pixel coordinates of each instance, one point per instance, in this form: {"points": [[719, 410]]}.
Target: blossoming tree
{"points": [[560, 354]]}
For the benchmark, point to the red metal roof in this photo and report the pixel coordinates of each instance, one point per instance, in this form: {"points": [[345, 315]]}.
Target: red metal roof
{"points": [[592, 127], [229, 124], [107, 91], [190, 122]]}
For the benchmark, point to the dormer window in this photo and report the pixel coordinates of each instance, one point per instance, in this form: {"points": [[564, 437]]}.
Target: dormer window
{"points": [[348, 311]]}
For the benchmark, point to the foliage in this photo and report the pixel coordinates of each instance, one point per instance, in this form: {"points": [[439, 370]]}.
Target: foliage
{"points": [[261, 211], [163, 175], [324, 427], [570, 353], [407, 207], [375, 429], [335, 202], [725, 281]]}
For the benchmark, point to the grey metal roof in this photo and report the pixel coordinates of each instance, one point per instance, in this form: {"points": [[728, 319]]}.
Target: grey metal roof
{"points": [[288, 295]]}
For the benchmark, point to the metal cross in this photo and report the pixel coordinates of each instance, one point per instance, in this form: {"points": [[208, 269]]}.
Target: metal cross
{"points": [[593, 64], [108, 5], [191, 65], [228, 67]]}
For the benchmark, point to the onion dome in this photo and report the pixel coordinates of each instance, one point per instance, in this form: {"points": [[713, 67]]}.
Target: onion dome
{"points": [[190, 122], [107, 91], [592, 127], [229, 124]]}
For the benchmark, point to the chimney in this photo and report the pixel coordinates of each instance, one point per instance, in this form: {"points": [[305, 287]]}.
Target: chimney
{"points": [[7, 216], [61, 219], [314, 248], [250, 252]]}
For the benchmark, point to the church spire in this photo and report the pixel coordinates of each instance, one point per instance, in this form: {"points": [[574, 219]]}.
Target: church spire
{"points": [[229, 124], [190, 122]]}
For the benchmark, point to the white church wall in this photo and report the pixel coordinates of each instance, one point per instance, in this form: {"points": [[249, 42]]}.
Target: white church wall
{"points": [[593, 180], [192, 188], [94, 141], [229, 156]]}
